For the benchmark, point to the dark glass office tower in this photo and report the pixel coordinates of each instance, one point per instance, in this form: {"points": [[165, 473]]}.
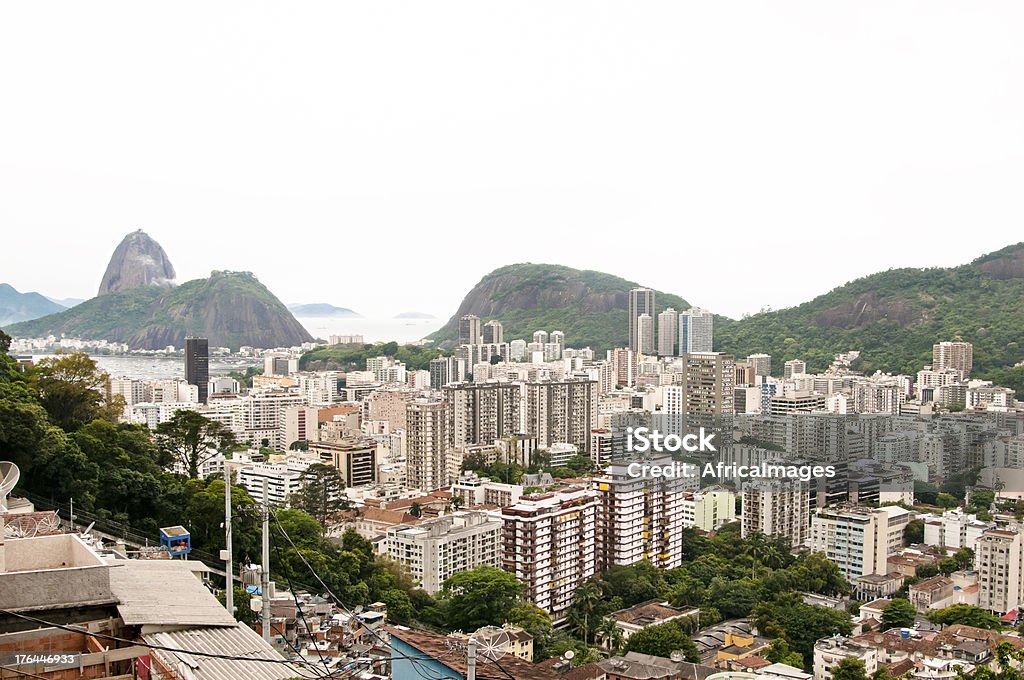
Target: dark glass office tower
{"points": [[197, 364]]}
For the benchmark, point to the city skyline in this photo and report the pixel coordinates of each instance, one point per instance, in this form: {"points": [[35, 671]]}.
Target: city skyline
{"points": [[706, 123]]}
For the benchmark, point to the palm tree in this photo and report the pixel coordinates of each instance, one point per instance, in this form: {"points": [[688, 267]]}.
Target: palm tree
{"points": [[586, 598], [610, 634]]}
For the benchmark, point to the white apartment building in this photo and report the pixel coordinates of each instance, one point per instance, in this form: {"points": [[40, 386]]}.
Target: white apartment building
{"points": [[859, 540], [427, 443], [476, 490], [776, 507], [709, 508], [550, 545], [151, 415], [318, 389], [283, 479], [641, 517], [999, 561], [435, 549], [955, 529]]}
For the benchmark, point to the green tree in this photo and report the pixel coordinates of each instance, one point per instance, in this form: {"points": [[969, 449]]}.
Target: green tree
{"points": [[898, 614], [610, 635], [945, 500], [964, 558], [416, 510], [849, 668], [967, 615], [801, 625], [913, 533], [73, 391], [780, 652], [662, 640], [191, 439], [586, 597], [482, 596], [322, 492]]}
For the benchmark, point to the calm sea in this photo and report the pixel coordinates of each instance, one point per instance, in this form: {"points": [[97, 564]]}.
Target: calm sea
{"points": [[372, 330]]}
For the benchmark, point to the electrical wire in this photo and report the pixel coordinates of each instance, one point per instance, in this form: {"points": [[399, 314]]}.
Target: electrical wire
{"points": [[22, 673], [415, 664], [177, 650], [302, 614]]}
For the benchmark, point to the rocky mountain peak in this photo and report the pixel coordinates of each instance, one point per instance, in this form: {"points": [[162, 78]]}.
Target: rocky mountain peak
{"points": [[138, 261]]}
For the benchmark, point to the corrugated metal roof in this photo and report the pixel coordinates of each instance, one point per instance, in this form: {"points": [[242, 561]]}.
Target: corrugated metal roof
{"points": [[164, 592], [239, 641]]}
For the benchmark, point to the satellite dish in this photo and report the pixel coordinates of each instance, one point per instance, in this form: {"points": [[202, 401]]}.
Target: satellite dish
{"points": [[569, 654], [676, 656], [492, 642], [88, 529], [9, 476]]}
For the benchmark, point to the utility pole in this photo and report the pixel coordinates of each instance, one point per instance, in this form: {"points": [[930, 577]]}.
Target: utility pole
{"points": [[471, 659], [229, 593], [265, 570]]}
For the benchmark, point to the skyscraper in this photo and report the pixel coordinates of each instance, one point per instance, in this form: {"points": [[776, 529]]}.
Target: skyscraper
{"points": [[668, 329], [493, 332], [561, 411], [955, 355], [761, 363], [427, 440], [469, 330], [641, 301], [480, 413], [645, 334], [197, 365], [794, 367], [696, 330]]}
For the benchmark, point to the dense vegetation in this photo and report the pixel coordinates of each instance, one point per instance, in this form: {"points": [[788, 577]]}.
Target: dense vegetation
{"points": [[589, 307], [353, 357], [895, 317], [230, 308], [892, 317]]}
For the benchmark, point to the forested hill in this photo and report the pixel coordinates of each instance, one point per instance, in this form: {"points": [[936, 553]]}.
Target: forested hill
{"points": [[894, 318]]}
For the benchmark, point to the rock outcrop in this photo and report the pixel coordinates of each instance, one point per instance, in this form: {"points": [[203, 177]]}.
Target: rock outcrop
{"points": [[138, 261]]}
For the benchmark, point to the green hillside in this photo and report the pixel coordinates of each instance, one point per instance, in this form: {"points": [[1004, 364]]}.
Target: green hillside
{"points": [[894, 318], [589, 307], [230, 308]]}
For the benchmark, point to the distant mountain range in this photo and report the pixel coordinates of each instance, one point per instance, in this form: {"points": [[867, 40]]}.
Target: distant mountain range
{"points": [[893, 317], [139, 305], [322, 309], [16, 306]]}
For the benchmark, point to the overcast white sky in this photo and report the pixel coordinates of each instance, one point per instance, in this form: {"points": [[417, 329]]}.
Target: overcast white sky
{"points": [[385, 155]]}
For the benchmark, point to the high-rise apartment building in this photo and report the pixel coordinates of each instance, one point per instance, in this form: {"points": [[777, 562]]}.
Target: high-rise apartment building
{"points": [[493, 333], [354, 457], [622, 364], [668, 332], [761, 364], [469, 330], [549, 545], [775, 507], [426, 441], [197, 365], [955, 355], [561, 411], [641, 517], [707, 396], [1000, 566], [480, 413], [436, 549], [645, 334], [641, 301], [794, 367], [696, 330], [858, 539]]}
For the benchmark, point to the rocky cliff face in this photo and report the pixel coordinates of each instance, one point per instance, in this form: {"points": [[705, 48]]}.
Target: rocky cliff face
{"points": [[137, 261]]}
